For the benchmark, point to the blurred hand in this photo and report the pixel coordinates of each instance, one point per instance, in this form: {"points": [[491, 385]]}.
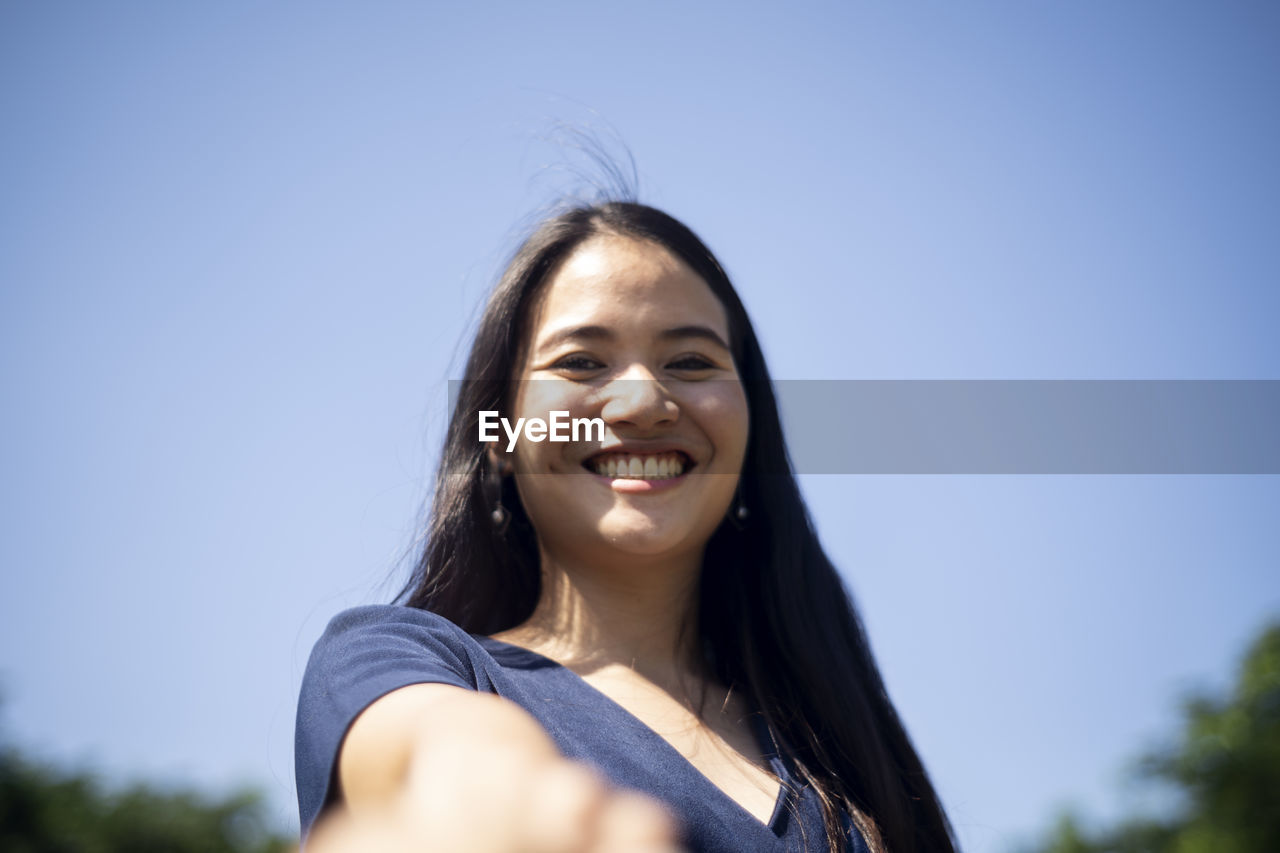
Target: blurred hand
{"points": [[467, 795]]}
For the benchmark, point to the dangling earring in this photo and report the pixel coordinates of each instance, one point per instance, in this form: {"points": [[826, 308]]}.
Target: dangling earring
{"points": [[738, 512], [500, 516]]}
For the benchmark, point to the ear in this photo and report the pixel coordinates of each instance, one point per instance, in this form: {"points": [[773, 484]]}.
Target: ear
{"points": [[499, 460]]}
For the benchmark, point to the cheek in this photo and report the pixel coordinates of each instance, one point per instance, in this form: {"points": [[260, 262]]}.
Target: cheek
{"points": [[727, 420], [538, 399]]}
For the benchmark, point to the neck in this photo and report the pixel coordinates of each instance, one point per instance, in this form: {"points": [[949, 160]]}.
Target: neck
{"points": [[642, 616]]}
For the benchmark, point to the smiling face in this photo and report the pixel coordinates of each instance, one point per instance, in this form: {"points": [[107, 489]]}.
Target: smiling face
{"points": [[624, 331]]}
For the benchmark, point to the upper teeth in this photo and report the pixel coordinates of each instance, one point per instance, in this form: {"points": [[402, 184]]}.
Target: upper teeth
{"points": [[658, 467]]}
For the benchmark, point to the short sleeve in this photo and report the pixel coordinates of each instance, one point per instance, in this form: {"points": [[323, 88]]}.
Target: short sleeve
{"points": [[364, 654]]}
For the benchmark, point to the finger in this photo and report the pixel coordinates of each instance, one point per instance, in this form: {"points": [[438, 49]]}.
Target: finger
{"points": [[633, 821], [563, 809]]}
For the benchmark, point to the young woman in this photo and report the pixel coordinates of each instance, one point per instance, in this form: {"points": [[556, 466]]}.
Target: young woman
{"points": [[642, 608]]}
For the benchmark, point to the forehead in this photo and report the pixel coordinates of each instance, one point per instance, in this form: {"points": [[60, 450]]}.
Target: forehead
{"points": [[625, 283]]}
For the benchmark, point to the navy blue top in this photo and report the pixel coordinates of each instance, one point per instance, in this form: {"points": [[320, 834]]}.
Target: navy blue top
{"points": [[366, 652]]}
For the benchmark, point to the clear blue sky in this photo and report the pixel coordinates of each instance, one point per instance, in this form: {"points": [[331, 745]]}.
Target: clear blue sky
{"points": [[240, 245]]}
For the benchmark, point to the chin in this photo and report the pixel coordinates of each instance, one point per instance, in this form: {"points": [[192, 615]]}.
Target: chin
{"points": [[643, 537], [647, 543]]}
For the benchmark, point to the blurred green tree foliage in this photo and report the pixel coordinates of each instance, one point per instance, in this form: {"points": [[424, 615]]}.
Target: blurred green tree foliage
{"points": [[43, 810], [1225, 765]]}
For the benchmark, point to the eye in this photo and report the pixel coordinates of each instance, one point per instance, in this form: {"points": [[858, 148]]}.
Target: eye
{"points": [[691, 362], [577, 363]]}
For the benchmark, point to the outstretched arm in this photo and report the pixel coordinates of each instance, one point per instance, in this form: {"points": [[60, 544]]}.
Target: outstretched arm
{"points": [[442, 768]]}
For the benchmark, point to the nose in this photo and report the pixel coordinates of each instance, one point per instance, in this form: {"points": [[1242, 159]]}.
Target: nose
{"points": [[637, 399]]}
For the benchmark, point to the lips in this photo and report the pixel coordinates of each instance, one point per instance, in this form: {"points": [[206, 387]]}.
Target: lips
{"points": [[631, 465]]}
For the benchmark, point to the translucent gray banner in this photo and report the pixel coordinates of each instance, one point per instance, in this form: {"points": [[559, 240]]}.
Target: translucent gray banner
{"points": [[1007, 426], [1033, 426]]}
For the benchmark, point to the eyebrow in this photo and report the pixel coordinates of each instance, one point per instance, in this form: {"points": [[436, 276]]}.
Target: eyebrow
{"points": [[600, 333]]}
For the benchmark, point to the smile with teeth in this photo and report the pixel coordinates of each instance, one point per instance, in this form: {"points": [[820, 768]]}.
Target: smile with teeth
{"points": [[630, 466]]}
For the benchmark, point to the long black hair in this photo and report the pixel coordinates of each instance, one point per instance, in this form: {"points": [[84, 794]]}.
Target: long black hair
{"points": [[774, 617]]}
